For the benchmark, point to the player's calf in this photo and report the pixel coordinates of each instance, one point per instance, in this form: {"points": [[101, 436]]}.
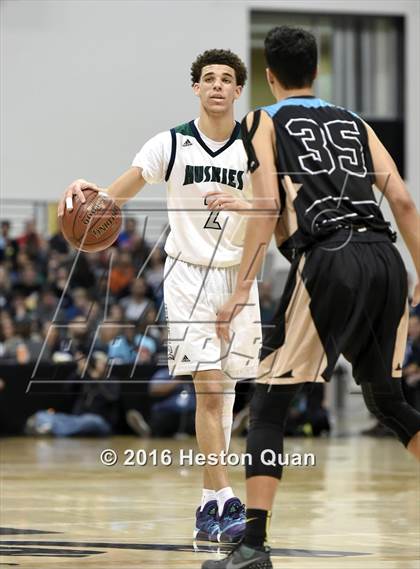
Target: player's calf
{"points": [[388, 404]]}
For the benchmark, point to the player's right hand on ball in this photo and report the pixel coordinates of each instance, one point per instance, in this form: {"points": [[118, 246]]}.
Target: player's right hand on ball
{"points": [[75, 189]]}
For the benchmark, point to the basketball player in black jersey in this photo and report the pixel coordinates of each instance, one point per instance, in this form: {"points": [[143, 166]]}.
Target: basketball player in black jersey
{"points": [[313, 166]]}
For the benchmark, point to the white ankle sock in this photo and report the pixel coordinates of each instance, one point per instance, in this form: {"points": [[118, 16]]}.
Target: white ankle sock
{"points": [[223, 496], [206, 497]]}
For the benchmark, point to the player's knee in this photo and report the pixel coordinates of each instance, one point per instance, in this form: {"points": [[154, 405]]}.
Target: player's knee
{"points": [[210, 402], [227, 407], [389, 406], [270, 404], [268, 414]]}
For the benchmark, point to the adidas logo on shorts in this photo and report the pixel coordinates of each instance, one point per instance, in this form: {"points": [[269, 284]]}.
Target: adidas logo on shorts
{"points": [[187, 142], [186, 359]]}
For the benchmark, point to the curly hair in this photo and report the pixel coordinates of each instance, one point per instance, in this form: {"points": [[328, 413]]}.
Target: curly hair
{"points": [[219, 57]]}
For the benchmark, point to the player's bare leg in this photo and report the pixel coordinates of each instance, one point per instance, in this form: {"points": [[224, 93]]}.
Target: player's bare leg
{"points": [[212, 395], [208, 422], [261, 491], [414, 445]]}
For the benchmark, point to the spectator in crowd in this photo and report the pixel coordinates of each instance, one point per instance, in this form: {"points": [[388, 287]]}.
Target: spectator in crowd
{"points": [[58, 279], [122, 274], [54, 342], [173, 407], [47, 305], [58, 244], [20, 343], [32, 243], [411, 375], [131, 240], [5, 288], [29, 280], [411, 368], [83, 275], [140, 252], [136, 304], [125, 346], [129, 235], [119, 347], [79, 336], [81, 304], [154, 274], [267, 303], [18, 307], [8, 247], [95, 411], [149, 326], [7, 337], [145, 344]]}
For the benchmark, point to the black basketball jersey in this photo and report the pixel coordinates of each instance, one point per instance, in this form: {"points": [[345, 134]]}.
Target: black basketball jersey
{"points": [[325, 173]]}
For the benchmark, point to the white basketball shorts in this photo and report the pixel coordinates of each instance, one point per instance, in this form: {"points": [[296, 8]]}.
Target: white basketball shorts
{"points": [[193, 295]]}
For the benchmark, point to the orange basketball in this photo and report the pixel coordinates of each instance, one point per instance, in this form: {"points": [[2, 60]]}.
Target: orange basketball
{"points": [[93, 225]]}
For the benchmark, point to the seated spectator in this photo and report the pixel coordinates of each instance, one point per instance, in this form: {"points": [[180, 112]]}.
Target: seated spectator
{"points": [[29, 281], [5, 287], [54, 342], [7, 334], [129, 234], [83, 275], [32, 242], [8, 246], [81, 304], [121, 348], [140, 251], [58, 243], [146, 346], [411, 376], [411, 367], [267, 303], [125, 346], [154, 274], [122, 274], [150, 326], [47, 305], [58, 279], [95, 411], [21, 344], [78, 336], [173, 409], [136, 304]]}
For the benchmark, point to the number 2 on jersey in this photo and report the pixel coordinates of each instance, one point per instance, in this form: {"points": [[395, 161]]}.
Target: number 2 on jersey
{"points": [[212, 222]]}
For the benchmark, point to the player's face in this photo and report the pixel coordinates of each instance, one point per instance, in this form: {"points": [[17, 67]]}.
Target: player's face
{"points": [[217, 88]]}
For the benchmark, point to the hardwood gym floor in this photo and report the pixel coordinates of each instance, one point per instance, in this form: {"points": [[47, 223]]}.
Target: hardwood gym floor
{"points": [[359, 507]]}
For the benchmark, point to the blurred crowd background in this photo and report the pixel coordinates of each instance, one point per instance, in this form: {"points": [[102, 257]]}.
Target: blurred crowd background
{"points": [[106, 310]]}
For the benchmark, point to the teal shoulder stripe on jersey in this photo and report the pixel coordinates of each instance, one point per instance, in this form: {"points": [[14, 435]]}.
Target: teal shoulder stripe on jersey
{"points": [[184, 129], [308, 102]]}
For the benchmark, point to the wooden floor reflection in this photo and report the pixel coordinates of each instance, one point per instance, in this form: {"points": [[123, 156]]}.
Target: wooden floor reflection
{"points": [[62, 508]]}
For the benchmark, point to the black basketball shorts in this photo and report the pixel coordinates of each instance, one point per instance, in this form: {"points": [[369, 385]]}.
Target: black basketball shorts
{"points": [[340, 298]]}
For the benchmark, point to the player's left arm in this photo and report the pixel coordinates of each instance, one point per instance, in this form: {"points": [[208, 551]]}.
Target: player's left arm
{"points": [[260, 226]]}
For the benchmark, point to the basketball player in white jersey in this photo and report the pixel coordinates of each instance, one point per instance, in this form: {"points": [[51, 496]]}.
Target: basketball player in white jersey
{"points": [[204, 165]]}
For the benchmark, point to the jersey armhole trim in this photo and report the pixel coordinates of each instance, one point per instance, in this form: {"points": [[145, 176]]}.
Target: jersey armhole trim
{"points": [[173, 153], [247, 136]]}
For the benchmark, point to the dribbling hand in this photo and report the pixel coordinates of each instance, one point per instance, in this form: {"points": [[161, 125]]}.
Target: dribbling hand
{"points": [[75, 189]]}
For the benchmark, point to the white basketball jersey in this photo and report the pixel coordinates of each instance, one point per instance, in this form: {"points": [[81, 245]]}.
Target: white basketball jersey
{"points": [[192, 169]]}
